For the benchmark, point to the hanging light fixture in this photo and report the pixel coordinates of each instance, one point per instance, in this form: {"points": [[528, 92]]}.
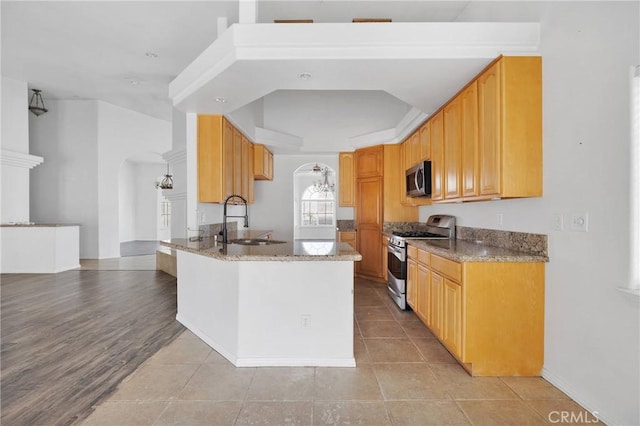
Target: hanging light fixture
{"points": [[324, 185], [167, 182], [36, 104]]}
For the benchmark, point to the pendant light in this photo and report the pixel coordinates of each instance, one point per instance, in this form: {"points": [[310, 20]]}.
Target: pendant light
{"points": [[167, 182], [36, 104]]}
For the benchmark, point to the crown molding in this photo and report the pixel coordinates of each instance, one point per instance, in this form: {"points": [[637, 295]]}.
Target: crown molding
{"points": [[175, 156], [19, 159]]}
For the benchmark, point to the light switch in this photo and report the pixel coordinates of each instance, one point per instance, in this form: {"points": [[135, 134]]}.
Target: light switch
{"points": [[556, 222]]}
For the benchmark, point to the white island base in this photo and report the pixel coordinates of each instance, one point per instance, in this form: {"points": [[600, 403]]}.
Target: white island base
{"points": [[269, 313]]}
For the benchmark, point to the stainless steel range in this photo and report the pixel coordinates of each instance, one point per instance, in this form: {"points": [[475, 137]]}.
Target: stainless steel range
{"points": [[439, 227]]}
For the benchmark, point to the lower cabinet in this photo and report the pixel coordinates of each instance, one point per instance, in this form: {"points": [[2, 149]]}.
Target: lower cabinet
{"points": [[348, 237], [489, 315], [412, 283]]}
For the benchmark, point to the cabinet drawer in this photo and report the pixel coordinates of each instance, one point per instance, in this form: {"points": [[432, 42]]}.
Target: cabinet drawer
{"points": [[424, 257], [447, 267], [412, 252]]}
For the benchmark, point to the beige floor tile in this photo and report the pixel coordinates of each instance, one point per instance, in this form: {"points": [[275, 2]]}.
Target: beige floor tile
{"points": [[409, 381], [153, 382], [360, 352], [286, 384], [276, 413], [188, 350], [367, 298], [416, 330], [398, 314], [196, 413], [373, 313], [218, 382], [461, 385], [392, 350], [564, 411], [425, 413], [534, 388], [126, 413], [358, 383], [433, 351], [516, 413], [350, 413], [215, 358], [389, 329]]}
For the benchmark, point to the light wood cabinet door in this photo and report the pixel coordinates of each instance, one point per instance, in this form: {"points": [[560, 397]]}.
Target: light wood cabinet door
{"points": [[470, 173], [425, 141], [489, 130], [435, 316], [412, 283], [452, 149], [414, 146], [405, 161], [237, 161], [369, 226], [369, 162], [452, 316], [347, 178], [247, 170], [437, 156], [262, 163], [215, 159], [422, 297]]}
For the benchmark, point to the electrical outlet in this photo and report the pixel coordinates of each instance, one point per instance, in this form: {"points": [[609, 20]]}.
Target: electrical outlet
{"points": [[305, 321], [557, 222], [499, 218], [579, 222]]}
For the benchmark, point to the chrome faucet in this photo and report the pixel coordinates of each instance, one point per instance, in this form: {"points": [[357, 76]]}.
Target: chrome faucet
{"points": [[224, 216]]}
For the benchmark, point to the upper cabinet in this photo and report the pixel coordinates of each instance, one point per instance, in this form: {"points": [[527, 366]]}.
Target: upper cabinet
{"points": [[262, 163], [510, 128], [347, 179], [437, 156], [225, 161], [486, 142], [369, 162]]}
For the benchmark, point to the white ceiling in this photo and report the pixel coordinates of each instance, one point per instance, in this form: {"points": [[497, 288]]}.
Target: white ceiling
{"points": [[99, 50]]}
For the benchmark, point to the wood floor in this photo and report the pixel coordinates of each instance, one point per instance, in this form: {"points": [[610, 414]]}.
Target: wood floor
{"points": [[68, 339]]}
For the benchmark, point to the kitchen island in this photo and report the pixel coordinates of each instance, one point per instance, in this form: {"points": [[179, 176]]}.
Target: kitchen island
{"points": [[288, 304]]}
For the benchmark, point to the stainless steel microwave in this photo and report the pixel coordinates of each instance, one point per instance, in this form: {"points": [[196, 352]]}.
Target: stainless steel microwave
{"points": [[419, 180]]}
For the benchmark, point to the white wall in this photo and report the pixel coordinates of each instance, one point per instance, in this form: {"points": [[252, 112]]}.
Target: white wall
{"points": [[138, 201], [127, 202], [147, 209], [64, 189], [84, 143], [121, 133], [273, 208], [592, 330], [15, 138]]}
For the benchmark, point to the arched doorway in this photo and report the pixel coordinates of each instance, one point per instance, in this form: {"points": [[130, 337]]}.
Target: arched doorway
{"points": [[314, 202]]}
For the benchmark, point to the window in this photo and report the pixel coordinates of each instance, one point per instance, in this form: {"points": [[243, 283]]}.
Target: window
{"points": [[317, 207]]}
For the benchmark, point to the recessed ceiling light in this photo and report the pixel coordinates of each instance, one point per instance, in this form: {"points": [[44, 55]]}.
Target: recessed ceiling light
{"points": [[221, 100], [304, 76], [151, 55]]}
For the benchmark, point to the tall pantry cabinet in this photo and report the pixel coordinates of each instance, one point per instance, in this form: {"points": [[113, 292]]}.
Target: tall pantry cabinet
{"points": [[377, 200]]}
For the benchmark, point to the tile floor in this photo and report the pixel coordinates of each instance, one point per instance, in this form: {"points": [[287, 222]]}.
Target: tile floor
{"points": [[403, 377]]}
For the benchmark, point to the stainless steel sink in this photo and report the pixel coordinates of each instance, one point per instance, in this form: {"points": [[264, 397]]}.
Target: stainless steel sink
{"points": [[255, 241]]}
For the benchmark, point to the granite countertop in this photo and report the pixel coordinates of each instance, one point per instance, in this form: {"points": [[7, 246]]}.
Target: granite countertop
{"points": [[468, 251], [290, 250], [36, 225]]}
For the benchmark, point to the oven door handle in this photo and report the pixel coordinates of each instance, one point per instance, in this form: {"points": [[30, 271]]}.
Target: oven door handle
{"points": [[396, 251]]}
